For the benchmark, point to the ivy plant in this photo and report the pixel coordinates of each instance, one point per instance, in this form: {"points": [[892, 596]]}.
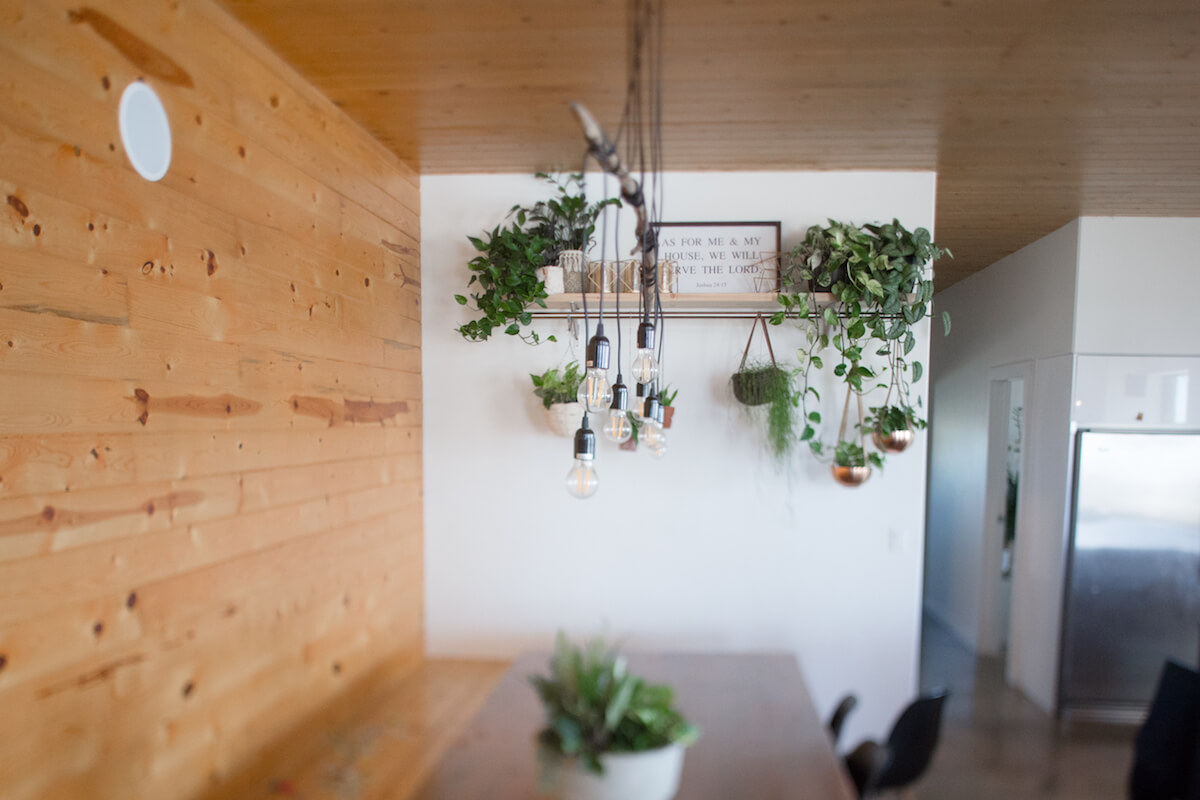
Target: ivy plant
{"points": [[595, 706], [878, 279], [505, 272]]}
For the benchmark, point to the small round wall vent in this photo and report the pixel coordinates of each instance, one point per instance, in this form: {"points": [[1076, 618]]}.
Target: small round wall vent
{"points": [[145, 131]]}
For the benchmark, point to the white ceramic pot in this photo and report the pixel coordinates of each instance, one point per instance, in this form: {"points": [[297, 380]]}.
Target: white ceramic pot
{"points": [[553, 278], [564, 418], [650, 775]]}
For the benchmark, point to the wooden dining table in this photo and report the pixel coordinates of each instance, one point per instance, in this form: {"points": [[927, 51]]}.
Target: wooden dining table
{"points": [[761, 737]]}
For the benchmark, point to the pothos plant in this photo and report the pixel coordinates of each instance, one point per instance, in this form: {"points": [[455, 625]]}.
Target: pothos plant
{"points": [[878, 277], [505, 268], [506, 273]]}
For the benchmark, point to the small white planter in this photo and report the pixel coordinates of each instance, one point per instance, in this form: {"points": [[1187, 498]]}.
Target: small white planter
{"points": [[552, 277], [650, 775], [564, 418]]}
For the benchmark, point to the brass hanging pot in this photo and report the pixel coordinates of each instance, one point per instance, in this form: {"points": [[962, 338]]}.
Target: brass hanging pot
{"points": [[851, 476], [894, 442]]}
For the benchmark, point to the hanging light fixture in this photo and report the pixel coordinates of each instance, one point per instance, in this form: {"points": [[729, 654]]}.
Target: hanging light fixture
{"points": [[640, 130], [581, 479]]}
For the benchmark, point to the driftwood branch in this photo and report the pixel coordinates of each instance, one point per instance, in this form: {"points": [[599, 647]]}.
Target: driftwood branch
{"points": [[605, 152]]}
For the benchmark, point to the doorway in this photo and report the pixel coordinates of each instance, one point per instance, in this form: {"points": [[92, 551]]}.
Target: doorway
{"points": [[1006, 444]]}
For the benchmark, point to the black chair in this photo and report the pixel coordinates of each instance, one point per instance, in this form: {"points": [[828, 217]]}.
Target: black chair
{"points": [[876, 767], [838, 718], [1165, 759]]}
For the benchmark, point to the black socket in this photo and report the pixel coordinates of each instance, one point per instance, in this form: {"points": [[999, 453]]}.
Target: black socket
{"points": [[620, 396], [645, 335], [585, 443], [598, 351]]}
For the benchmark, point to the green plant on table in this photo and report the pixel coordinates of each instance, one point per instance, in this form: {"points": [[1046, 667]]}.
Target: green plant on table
{"points": [[595, 706], [557, 386], [881, 287]]}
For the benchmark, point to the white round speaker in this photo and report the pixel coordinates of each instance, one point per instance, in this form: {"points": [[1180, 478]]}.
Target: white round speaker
{"points": [[145, 131]]}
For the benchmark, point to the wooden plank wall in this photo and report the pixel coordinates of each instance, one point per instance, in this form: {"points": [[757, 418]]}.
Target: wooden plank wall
{"points": [[210, 404]]}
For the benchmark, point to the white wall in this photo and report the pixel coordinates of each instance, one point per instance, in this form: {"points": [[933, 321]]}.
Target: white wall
{"points": [[1138, 277], [1098, 313], [711, 548], [1017, 310]]}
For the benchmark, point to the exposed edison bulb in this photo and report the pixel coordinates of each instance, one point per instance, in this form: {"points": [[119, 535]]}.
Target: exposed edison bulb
{"points": [[659, 448], [595, 392], [645, 366], [652, 434], [581, 479], [618, 428]]}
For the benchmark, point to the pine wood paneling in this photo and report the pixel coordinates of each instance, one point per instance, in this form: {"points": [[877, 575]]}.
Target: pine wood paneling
{"points": [[1032, 112], [210, 405]]}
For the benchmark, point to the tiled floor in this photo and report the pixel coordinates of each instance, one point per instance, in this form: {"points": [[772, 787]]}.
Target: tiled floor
{"points": [[996, 745]]}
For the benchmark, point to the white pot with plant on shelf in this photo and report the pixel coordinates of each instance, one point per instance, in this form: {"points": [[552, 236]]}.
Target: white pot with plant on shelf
{"points": [[609, 735], [552, 277], [557, 389]]}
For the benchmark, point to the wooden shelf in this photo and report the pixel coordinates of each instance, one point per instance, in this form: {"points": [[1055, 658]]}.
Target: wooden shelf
{"points": [[696, 306]]}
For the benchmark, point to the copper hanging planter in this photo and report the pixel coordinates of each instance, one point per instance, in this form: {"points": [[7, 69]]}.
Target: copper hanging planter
{"points": [[850, 476], [894, 442]]}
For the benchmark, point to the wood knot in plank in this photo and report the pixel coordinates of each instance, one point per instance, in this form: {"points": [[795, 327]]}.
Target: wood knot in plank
{"points": [[18, 205], [141, 54], [211, 262]]}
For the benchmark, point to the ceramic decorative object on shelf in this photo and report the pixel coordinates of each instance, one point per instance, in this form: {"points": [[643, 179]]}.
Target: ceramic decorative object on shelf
{"points": [[553, 278], [850, 476], [668, 279], [571, 262], [649, 775], [630, 271], [563, 418], [894, 442], [601, 272]]}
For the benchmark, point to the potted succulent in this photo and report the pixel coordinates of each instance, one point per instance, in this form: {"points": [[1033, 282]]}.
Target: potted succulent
{"points": [[557, 390], [666, 397], [609, 735], [566, 222]]}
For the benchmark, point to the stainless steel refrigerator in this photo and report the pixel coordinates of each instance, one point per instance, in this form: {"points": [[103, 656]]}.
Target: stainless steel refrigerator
{"points": [[1133, 577]]}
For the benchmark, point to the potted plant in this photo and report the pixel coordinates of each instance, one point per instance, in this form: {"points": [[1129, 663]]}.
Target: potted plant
{"points": [[505, 271], [760, 383], [557, 390], [666, 397], [609, 735], [851, 465], [878, 278], [566, 222], [892, 427]]}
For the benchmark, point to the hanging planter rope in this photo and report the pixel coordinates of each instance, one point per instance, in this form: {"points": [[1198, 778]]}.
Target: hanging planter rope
{"points": [[759, 384]]}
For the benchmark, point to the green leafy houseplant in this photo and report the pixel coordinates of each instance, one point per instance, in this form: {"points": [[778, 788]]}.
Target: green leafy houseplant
{"points": [[595, 706], [566, 221], [758, 384], [877, 276], [557, 386], [505, 271]]}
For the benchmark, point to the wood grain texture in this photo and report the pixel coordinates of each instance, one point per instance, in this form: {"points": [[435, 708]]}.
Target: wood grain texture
{"points": [[1031, 112], [761, 737], [210, 406]]}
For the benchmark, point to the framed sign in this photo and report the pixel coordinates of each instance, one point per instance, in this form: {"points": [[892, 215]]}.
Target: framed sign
{"points": [[722, 257]]}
